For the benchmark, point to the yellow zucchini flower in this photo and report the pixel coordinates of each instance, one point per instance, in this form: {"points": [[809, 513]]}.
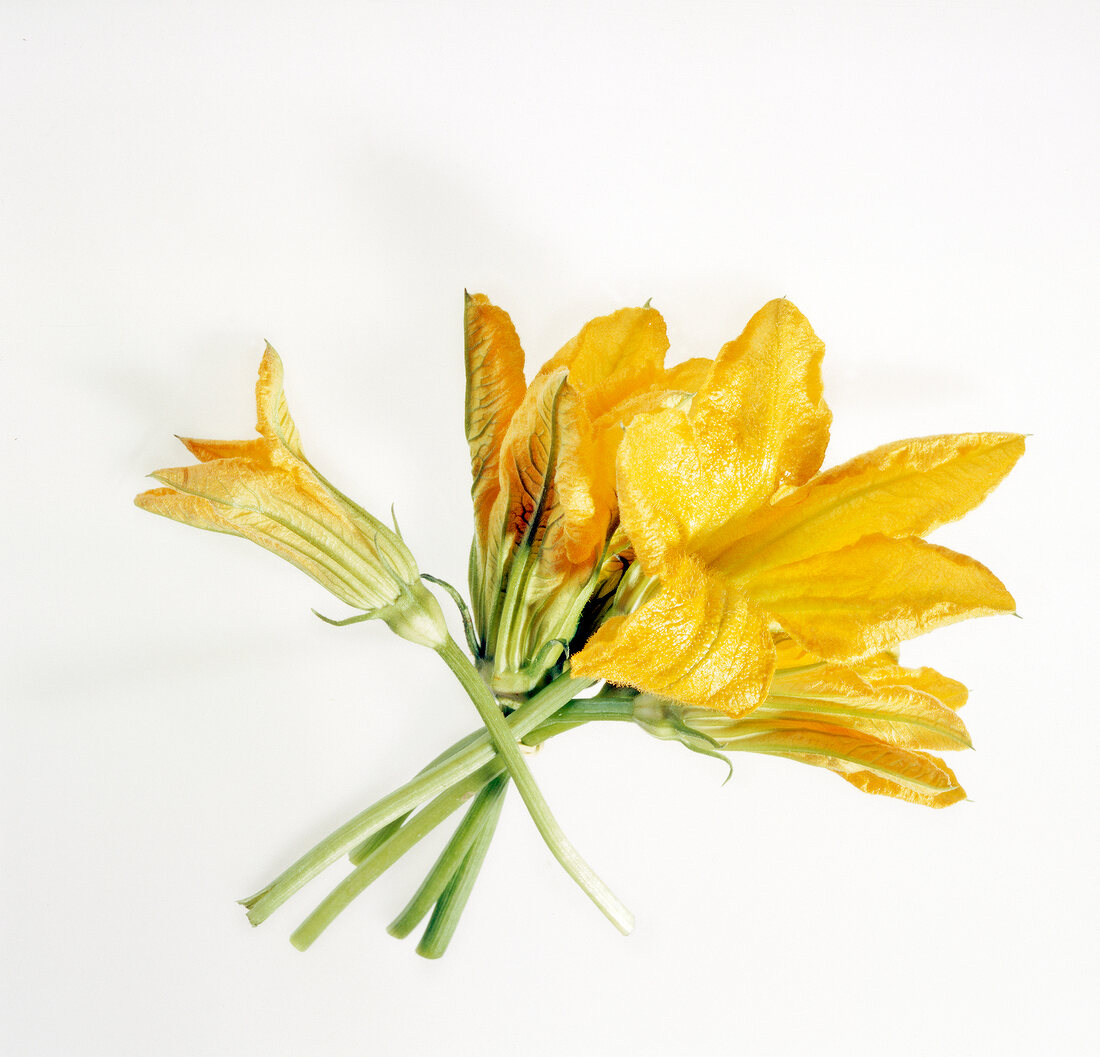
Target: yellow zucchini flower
{"points": [[265, 490], [738, 538], [543, 461], [872, 722]]}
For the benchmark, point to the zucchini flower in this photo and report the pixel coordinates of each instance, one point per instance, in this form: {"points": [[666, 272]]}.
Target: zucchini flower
{"points": [[738, 538], [546, 513], [543, 460], [872, 722], [267, 491]]}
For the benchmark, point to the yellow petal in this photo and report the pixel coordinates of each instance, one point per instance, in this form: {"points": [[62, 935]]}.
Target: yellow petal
{"points": [[869, 781], [494, 389], [907, 488], [760, 414], [613, 358], [687, 377], [698, 641], [790, 656], [337, 570], [757, 424], [272, 414], [889, 711], [649, 402], [188, 509], [866, 763], [608, 433], [949, 692], [875, 593], [666, 493]]}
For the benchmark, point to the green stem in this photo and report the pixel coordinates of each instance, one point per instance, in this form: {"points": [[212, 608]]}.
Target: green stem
{"points": [[432, 782], [421, 824], [577, 714], [504, 739], [362, 852], [453, 900], [485, 807], [376, 840]]}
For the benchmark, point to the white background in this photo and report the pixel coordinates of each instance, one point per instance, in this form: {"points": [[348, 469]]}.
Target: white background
{"points": [[181, 181]]}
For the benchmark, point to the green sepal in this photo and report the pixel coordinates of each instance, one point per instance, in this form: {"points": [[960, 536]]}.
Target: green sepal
{"points": [[664, 720], [343, 623], [467, 620]]}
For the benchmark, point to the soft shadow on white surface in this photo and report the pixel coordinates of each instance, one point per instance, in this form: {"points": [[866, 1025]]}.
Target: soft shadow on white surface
{"points": [[186, 181]]}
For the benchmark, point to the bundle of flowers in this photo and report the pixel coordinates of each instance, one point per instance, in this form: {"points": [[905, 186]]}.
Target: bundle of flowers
{"points": [[653, 545]]}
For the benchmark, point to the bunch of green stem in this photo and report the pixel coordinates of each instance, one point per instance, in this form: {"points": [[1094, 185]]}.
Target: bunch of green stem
{"points": [[476, 771]]}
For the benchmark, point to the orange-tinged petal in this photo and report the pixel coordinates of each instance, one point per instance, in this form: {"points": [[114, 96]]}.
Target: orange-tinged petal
{"points": [[699, 642], [907, 488], [494, 389], [892, 712], [546, 486], [209, 450], [868, 764], [761, 414], [613, 357], [875, 593]]}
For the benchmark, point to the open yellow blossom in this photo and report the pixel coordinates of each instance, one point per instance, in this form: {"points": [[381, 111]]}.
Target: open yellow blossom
{"points": [[265, 490], [741, 537]]}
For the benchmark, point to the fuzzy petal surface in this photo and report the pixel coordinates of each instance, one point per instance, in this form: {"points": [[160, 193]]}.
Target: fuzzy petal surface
{"points": [[699, 641], [613, 358], [761, 414]]}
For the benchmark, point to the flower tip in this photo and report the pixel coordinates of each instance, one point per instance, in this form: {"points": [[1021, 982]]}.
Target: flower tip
{"points": [[145, 500]]}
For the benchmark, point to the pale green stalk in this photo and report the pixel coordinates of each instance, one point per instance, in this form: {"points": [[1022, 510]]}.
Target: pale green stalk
{"points": [[419, 826], [504, 739], [453, 900], [485, 809]]}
